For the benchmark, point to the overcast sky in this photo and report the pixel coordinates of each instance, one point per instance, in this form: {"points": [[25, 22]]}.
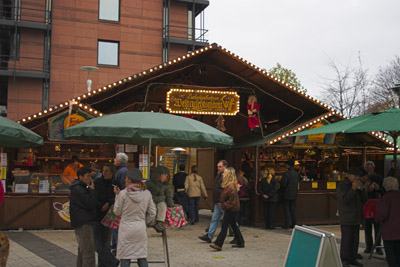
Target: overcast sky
{"points": [[302, 35]]}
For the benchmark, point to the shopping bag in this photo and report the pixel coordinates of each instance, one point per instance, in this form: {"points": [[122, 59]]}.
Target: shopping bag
{"points": [[369, 209], [111, 220], [175, 217]]}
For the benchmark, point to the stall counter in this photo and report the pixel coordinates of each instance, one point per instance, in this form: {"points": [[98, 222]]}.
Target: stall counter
{"points": [[32, 211], [314, 206]]}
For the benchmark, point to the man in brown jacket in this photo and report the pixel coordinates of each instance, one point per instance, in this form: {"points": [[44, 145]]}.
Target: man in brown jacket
{"points": [[218, 211]]}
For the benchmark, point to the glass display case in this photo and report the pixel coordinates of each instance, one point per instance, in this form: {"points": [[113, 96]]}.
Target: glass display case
{"points": [[38, 183]]}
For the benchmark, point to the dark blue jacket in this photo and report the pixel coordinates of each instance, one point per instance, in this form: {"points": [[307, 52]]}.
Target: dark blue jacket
{"points": [[82, 204], [120, 175], [289, 184], [105, 194], [350, 203], [179, 180], [269, 189]]}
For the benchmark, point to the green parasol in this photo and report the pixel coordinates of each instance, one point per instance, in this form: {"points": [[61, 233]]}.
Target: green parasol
{"points": [[385, 121], [149, 128], [14, 135], [139, 127]]}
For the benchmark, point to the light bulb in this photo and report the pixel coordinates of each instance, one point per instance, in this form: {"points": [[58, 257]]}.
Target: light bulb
{"points": [[89, 85]]}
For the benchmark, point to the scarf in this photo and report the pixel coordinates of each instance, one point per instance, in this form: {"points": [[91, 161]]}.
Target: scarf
{"points": [[133, 188]]}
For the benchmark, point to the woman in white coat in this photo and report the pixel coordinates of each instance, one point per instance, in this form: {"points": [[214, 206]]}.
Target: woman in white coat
{"points": [[136, 207]]}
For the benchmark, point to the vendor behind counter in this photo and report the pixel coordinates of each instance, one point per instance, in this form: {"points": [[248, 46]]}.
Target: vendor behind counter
{"points": [[69, 173]]}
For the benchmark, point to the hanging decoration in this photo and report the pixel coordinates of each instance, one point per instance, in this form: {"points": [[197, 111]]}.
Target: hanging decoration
{"points": [[252, 110], [220, 123]]}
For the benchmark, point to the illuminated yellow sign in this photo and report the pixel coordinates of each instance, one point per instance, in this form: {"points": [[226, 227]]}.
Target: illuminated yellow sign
{"points": [[188, 101], [331, 185], [316, 138]]}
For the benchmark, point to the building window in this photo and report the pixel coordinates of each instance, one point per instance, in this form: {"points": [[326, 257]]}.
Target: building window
{"points": [[109, 10], [190, 25], [108, 53]]}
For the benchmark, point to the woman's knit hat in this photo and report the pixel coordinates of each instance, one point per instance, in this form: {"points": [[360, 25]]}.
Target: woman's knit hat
{"points": [[135, 175], [159, 170]]}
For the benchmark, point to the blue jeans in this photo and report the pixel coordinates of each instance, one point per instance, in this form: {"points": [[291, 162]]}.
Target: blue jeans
{"points": [[114, 239], [194, 208], [141, 262], [216, 217]]}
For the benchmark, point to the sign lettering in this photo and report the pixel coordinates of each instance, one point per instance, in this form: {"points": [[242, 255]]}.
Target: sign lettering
{"points": [[188, 101]]}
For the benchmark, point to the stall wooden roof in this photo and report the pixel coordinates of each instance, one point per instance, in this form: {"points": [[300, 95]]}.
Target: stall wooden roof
{"points": [[210, 67]]}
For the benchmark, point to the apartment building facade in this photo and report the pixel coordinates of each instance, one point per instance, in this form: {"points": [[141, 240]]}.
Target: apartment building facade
{"points": [[45, 45]]}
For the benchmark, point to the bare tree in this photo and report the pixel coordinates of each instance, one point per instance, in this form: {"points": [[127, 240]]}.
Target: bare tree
{"points": [[346, 91], [382, 97]]}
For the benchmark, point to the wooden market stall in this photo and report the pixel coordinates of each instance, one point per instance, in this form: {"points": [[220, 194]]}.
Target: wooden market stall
{"points": [[211, 85], [321, 168]]}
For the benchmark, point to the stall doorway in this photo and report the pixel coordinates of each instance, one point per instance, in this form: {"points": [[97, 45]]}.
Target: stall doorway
{"points": [[206, 166]]}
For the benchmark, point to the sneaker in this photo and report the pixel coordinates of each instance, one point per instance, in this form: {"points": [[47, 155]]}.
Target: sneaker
{"points": [[379, 251], [356, 263], [216, 247], [205, 238]]}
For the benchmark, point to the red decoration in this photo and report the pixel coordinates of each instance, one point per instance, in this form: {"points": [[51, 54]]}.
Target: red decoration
{"points": [[252, 109]]}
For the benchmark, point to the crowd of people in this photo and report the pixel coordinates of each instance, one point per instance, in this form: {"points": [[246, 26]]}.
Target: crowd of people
{"points": [[364, 198], [116, 190]]}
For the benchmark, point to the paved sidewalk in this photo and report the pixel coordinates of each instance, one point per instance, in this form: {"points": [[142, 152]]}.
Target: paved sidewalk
{"points": [[263, 247]]}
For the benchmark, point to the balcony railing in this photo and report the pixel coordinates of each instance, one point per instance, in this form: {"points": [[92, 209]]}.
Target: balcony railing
{"points": [[23, 64], [180, 32], [26, 13]]}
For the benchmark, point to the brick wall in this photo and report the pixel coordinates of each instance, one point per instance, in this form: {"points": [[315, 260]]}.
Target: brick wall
{"points": [[75, 32], [74, 44], [24, 97]]}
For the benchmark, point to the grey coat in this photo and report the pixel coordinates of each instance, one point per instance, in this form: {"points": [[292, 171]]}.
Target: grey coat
{"points": [[137, 210], [350, 203]]}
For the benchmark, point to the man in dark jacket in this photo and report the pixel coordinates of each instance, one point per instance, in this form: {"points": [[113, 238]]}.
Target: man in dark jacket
{"points": [[82, 210], [351, 196], [218, 211], [120, 161], [180, 196], [394, 171], [102, 234], [289, 187], [374, 187]]}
